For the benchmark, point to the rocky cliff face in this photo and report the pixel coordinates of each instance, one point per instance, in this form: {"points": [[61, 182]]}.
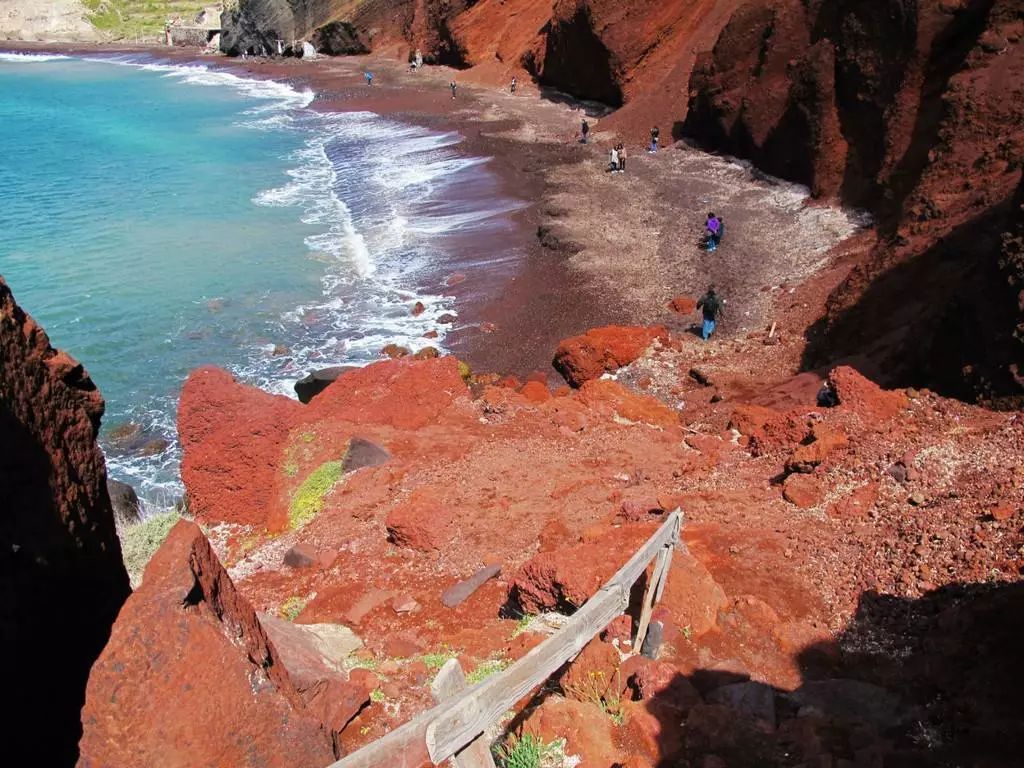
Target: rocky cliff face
{"points": [[60, 560], [47, 20], [190, 676], [343, 26], [914, 111]]}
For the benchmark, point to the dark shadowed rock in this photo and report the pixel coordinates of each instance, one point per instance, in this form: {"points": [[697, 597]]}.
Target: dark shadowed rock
{"points": [[753, 699], [363, 453], [313, 384], [125, 502], [458, 593], [62, 581], [850, 700]]}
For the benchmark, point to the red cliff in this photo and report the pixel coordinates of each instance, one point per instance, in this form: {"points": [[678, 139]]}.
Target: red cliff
{"points": [[63, 579]]}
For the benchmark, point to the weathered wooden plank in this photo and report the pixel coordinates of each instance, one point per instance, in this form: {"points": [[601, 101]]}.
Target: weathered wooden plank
{"points": [[673, 543], [442, 731], [471, 713], [451, 681]]}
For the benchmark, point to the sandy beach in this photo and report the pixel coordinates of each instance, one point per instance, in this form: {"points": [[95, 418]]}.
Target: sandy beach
{"points": [[595, 248]]}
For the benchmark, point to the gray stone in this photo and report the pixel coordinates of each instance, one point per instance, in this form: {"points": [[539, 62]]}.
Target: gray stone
{"points": [[652, 642], [458, 594], [363, 453], [754, 699], [125, 502], [850, 700], [300, 556]]}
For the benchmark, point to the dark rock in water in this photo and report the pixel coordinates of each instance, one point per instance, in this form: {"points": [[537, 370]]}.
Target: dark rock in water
{"points": [[363, 453], [125, 502], [339, 38], [447, 318], [457, 594], [750, 698], [300, 556], [60, 559], [312, 385], [154, 446], [123, 436], [850, 700], [394, 351], [427, 353]]}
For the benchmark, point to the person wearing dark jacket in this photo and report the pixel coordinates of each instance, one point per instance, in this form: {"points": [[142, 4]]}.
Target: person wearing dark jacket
{"points": [[712, 308]]}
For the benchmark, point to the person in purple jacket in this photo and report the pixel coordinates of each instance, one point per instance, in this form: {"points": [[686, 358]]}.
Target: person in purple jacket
{"points": [[713, 228]]}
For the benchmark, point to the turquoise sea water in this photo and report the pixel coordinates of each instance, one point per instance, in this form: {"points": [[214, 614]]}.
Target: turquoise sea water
{"points": [[155, 218]]}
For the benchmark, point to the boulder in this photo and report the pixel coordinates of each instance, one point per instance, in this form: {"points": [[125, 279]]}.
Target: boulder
{"points": [[609, 398], [662, 682], [850, 701], [301, 556], [229, 476], [692, 597], [125, 502], [587, 730], [602, 350], [421, 522], [563, 579], [862, 396], [594, 674], [316, 382], [62, 575], [811, 455], [394, 351], [803, 491], [186, 657], [750, 699], [362, 453]]}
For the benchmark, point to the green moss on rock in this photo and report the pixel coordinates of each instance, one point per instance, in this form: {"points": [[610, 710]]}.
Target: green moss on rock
{"points": [[308, 499]]}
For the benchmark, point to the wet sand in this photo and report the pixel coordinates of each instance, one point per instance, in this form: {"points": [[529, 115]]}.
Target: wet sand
{"points": [[590, 248]]}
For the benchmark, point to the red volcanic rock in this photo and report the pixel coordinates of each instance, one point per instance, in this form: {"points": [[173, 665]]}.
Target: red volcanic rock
{"points": [[602, 350], [768, 428], [864, 397], [587, 730], [662, 682], [394, 351], [407, 394], [189, 676], [421, 522], [692, 597], [652, 731], [63, 579], [535, 391], [565, 578], [803, 491], [858, 504], [232, 437], [594, 674], [807, 457], [418, 309], [427, 353], [684, 305], [610, 398]]}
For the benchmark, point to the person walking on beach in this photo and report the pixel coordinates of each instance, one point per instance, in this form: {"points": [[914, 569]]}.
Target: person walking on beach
{"points": [[369, 77], [613, 160], [512, 87], [584, 131], [711, 308], [655, 133], [712, 228], [622, 158], [452, 86]]}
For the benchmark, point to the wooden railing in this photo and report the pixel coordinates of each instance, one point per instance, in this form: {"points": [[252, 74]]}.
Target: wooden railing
{"points": [[454, 727]]}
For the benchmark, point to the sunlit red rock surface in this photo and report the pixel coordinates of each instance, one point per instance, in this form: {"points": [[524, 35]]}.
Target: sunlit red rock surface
{"points": [[60, 561], [799, 519]]}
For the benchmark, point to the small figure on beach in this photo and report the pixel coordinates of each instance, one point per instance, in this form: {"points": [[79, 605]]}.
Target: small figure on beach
{"points": [[452, 86], [584, 131], [613, 160], [712, 232], [655, 134], [512, 86], [622, 157], [369, 77], [711, 308]]}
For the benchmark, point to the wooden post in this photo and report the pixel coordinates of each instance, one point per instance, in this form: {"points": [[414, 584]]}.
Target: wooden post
{"points": [[450, 682], [655, 587]]}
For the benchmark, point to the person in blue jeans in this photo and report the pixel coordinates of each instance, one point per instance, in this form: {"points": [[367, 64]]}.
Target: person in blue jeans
{"points": [[369, 77], [712, 308]]}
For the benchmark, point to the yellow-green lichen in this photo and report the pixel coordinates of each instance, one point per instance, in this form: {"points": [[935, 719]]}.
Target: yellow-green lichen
{"points": [[308, 499]]}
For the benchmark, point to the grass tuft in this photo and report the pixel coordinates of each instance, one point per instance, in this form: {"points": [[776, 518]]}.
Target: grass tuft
{"points": [[485, 669], [291, 608], [308, 500], [529, 751]]}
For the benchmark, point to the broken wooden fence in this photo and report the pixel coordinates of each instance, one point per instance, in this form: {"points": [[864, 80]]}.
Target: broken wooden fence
{"points": [[454, 727]]}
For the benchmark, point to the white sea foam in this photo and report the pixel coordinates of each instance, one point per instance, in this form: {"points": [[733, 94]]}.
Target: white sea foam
{"points": [[28, 58]]}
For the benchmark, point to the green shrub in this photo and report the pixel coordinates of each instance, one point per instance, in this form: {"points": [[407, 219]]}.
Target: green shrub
{"points": [[291, 608], [485, 669], [140, 540], [308, 500], [528, 751]]}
